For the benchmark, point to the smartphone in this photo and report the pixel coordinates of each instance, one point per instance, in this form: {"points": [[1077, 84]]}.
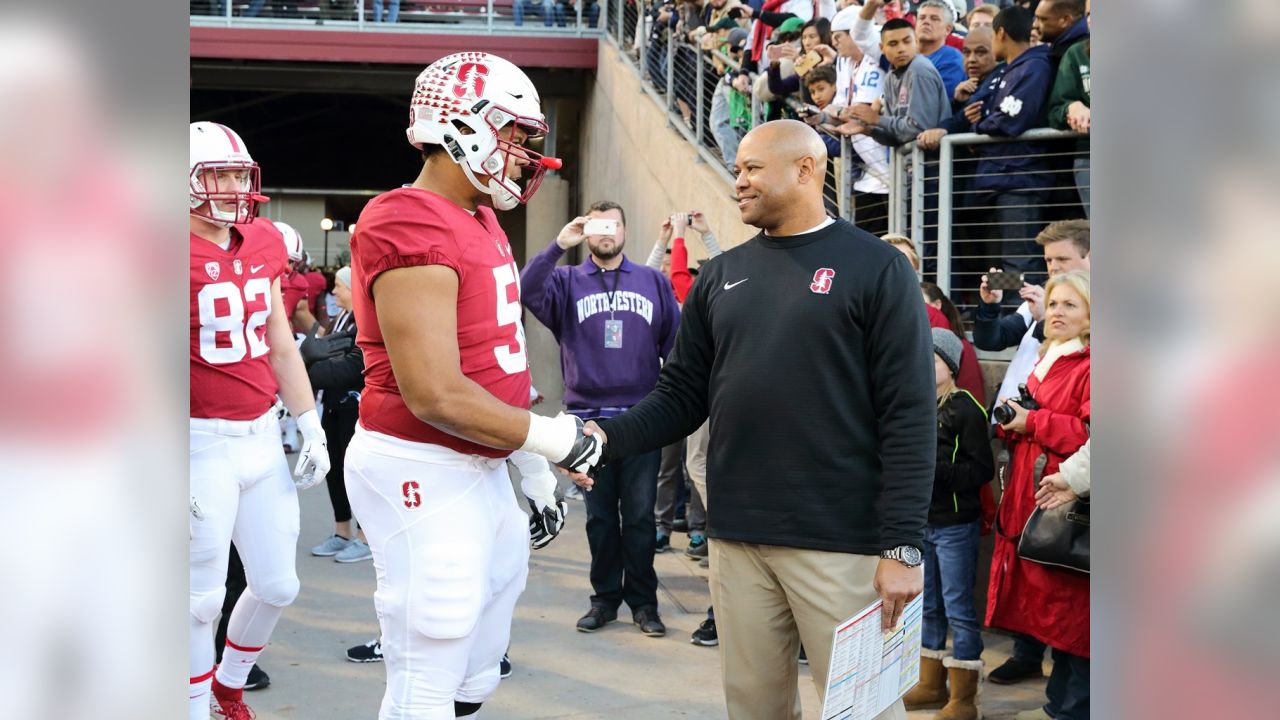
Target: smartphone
{"points": [[600, 226], [808, 62], [1004, 281]]}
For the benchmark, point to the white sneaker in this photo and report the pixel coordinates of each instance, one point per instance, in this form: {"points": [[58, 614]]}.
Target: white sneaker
{"points": [[333, 545], [354, 552]]}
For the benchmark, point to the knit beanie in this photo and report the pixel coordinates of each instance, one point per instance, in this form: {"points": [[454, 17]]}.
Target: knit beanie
{"points": [[948, 347]]}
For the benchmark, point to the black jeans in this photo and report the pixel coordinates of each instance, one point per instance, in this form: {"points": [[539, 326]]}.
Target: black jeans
{"points": [[620, 532], [1068, 688]]}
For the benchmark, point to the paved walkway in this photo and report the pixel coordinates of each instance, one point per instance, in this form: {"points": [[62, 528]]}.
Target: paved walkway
{"points": [[615, 673]]}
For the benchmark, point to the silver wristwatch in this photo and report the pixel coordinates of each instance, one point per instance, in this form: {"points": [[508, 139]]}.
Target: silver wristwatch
{"points": [[908, 555]]}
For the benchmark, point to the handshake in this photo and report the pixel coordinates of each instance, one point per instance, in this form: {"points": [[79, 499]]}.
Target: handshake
{"points": [[568, 444]]}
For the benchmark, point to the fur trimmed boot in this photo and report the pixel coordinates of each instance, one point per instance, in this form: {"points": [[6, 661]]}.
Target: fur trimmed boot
{"points": [[965, 677], [931, 692]]}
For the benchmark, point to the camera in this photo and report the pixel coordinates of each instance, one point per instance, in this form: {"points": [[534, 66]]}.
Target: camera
{"points": [[1004, 414]]}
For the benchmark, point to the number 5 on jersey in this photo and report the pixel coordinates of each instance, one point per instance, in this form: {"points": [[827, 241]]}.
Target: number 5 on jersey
{"points": [[504, 276]]}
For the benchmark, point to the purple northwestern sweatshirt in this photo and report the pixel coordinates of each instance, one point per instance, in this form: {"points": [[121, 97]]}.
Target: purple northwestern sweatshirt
{"points": [[577, 302]]}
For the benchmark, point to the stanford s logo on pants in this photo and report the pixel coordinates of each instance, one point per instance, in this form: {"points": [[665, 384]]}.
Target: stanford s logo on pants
{"points": [[412, 498], [822, 281]]}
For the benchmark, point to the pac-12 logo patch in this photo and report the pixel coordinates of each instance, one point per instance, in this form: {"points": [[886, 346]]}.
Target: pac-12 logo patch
{"points": [[822, 281], [412, 498], [212, 268]]}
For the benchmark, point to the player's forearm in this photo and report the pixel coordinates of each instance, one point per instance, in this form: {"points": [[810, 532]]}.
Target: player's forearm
{"points": [[291, 376], [463, 408]]}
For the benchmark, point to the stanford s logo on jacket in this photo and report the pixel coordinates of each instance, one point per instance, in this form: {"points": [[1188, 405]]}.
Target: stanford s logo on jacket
{"points": [[822, 281]]}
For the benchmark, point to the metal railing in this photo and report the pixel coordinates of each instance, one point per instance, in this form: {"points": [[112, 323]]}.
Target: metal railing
{"points": [[534, 17], [979, 201]]}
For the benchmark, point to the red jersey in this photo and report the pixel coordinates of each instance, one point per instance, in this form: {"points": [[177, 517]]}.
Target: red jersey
{"points": [[410, 227], [231, 375], [318, 286], [294, 289]]}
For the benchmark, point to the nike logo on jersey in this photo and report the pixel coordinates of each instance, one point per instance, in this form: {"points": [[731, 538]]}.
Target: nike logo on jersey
{"points": [[255, 268], [730, 286]]}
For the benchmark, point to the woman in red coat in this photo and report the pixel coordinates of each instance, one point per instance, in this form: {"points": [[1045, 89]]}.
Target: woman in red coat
{"points": [[1047, 603]]}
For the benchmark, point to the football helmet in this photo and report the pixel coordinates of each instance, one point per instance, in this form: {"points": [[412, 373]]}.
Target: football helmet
{"points": [[216, 148], [465, 102], [292, 240]]}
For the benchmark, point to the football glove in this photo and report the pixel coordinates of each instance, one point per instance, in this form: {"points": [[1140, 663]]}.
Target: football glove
{"points": [[317, 349], [547, 512], [313, 461]]}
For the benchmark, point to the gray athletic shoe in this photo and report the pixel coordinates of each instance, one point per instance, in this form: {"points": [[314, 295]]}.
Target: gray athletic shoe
{"points": [[354, 553], [333, 545]]}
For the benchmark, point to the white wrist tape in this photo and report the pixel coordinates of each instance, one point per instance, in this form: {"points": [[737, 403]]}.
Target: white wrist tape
{"points": [[309, 424], [552, 438]]}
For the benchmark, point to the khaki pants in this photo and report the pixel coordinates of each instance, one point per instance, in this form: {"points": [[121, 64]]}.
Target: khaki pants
{"points": [[770, 599]]}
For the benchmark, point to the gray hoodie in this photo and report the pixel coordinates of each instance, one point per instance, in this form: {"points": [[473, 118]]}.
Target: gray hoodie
{"points": [[914, 101]]}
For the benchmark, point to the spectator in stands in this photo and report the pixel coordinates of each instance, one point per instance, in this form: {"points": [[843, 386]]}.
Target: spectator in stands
{"points": [[615, 322], [1015, 178], [820, 83], [1066, 249], [392, 10], [968, 375], [963, 467], [984, 76], [566, 12], [1061, 24], [731, 112], [860, 80], [791, 61], [981, 16], [935, 19], [1047, 603], [914, 96], [546, 7], [1069, 105]]}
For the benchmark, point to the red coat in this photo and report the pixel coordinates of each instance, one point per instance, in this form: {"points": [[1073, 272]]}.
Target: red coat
{"points": [[1049, 604]]}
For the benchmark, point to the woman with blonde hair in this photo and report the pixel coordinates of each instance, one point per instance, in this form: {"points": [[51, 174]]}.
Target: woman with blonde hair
{"points": [[1050, 604]]}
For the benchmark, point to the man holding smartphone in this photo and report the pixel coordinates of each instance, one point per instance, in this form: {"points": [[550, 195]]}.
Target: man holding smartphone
{"points": [[615, 322]]}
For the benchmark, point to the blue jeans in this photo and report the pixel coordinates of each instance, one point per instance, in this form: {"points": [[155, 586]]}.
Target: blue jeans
{"points": [[546, 7], [1020, 215], [392, 14], [950, 571], [1068, 688], [620, 532]]}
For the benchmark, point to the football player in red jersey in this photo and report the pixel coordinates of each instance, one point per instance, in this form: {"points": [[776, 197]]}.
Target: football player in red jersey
{"points": [[437, 303], [319, 287], [242, 354]]}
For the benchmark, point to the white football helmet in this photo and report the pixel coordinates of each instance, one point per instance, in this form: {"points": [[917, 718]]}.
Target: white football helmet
{"points": [[463, 102], [292, 240], [216, 148]]}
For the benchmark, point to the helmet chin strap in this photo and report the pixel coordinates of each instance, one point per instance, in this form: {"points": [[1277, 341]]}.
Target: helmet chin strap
{"points": [[501, 197]]}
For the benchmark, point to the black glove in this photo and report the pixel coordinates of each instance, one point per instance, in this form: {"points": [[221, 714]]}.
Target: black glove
{"points": [[586, 454], [316, 349]]}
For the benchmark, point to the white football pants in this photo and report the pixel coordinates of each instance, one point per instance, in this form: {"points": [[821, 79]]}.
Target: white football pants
{"points": [[241, 482], [451, 551]]}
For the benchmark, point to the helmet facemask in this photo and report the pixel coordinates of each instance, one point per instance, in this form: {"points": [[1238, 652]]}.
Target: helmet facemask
{"points": [[205, 200], [487, 168]]}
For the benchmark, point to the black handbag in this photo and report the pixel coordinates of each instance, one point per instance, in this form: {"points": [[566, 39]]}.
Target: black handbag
{"points": [[1058, 537]]}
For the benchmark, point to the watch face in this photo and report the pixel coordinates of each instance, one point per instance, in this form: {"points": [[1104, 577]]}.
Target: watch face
{"points": [[910, 555]]}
